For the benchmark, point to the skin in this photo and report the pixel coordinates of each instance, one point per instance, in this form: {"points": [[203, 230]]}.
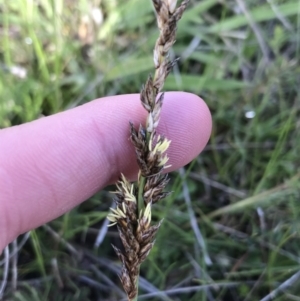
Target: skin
{"points": [[50, 165]]}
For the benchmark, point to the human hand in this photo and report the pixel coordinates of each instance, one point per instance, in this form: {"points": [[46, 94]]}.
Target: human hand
{"points": [[50, 165]]}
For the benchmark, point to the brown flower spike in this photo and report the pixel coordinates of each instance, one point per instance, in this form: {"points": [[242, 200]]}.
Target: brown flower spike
{"points": [[134, 201]]}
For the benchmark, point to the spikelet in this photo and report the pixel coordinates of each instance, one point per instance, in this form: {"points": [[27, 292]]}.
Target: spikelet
{"points": [[132, 214]]}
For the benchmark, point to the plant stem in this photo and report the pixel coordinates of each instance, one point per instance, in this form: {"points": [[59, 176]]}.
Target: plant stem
{"points": [[137, 295], [140, 206], [134, 299], [140, 203]]}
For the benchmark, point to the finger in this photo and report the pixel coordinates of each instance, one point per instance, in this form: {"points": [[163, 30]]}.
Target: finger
{"points": [[50, 165]]}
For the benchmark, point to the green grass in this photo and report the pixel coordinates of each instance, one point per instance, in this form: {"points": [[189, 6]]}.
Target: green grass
{"points": [[244, 187]]}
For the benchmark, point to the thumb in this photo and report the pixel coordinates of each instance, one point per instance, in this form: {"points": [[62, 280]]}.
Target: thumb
{"points": [[50, 165]]}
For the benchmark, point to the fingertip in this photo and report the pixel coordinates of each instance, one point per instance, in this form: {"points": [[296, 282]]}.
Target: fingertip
{"points": [[186, 120]]}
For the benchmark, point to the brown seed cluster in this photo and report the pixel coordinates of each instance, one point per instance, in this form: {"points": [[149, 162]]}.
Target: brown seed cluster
{"points": [[134, 201], [136, 233]]}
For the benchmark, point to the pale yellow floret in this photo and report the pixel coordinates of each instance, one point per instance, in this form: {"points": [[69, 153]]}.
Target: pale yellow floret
{"points": [[162, 146], [124, 207], [124, 182], [128, 189], [163, 161], [125, 187], [129, 196], [121, 212], [131, 189], [115, 216], [111, 218], [118, 212], [147, 213]]}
